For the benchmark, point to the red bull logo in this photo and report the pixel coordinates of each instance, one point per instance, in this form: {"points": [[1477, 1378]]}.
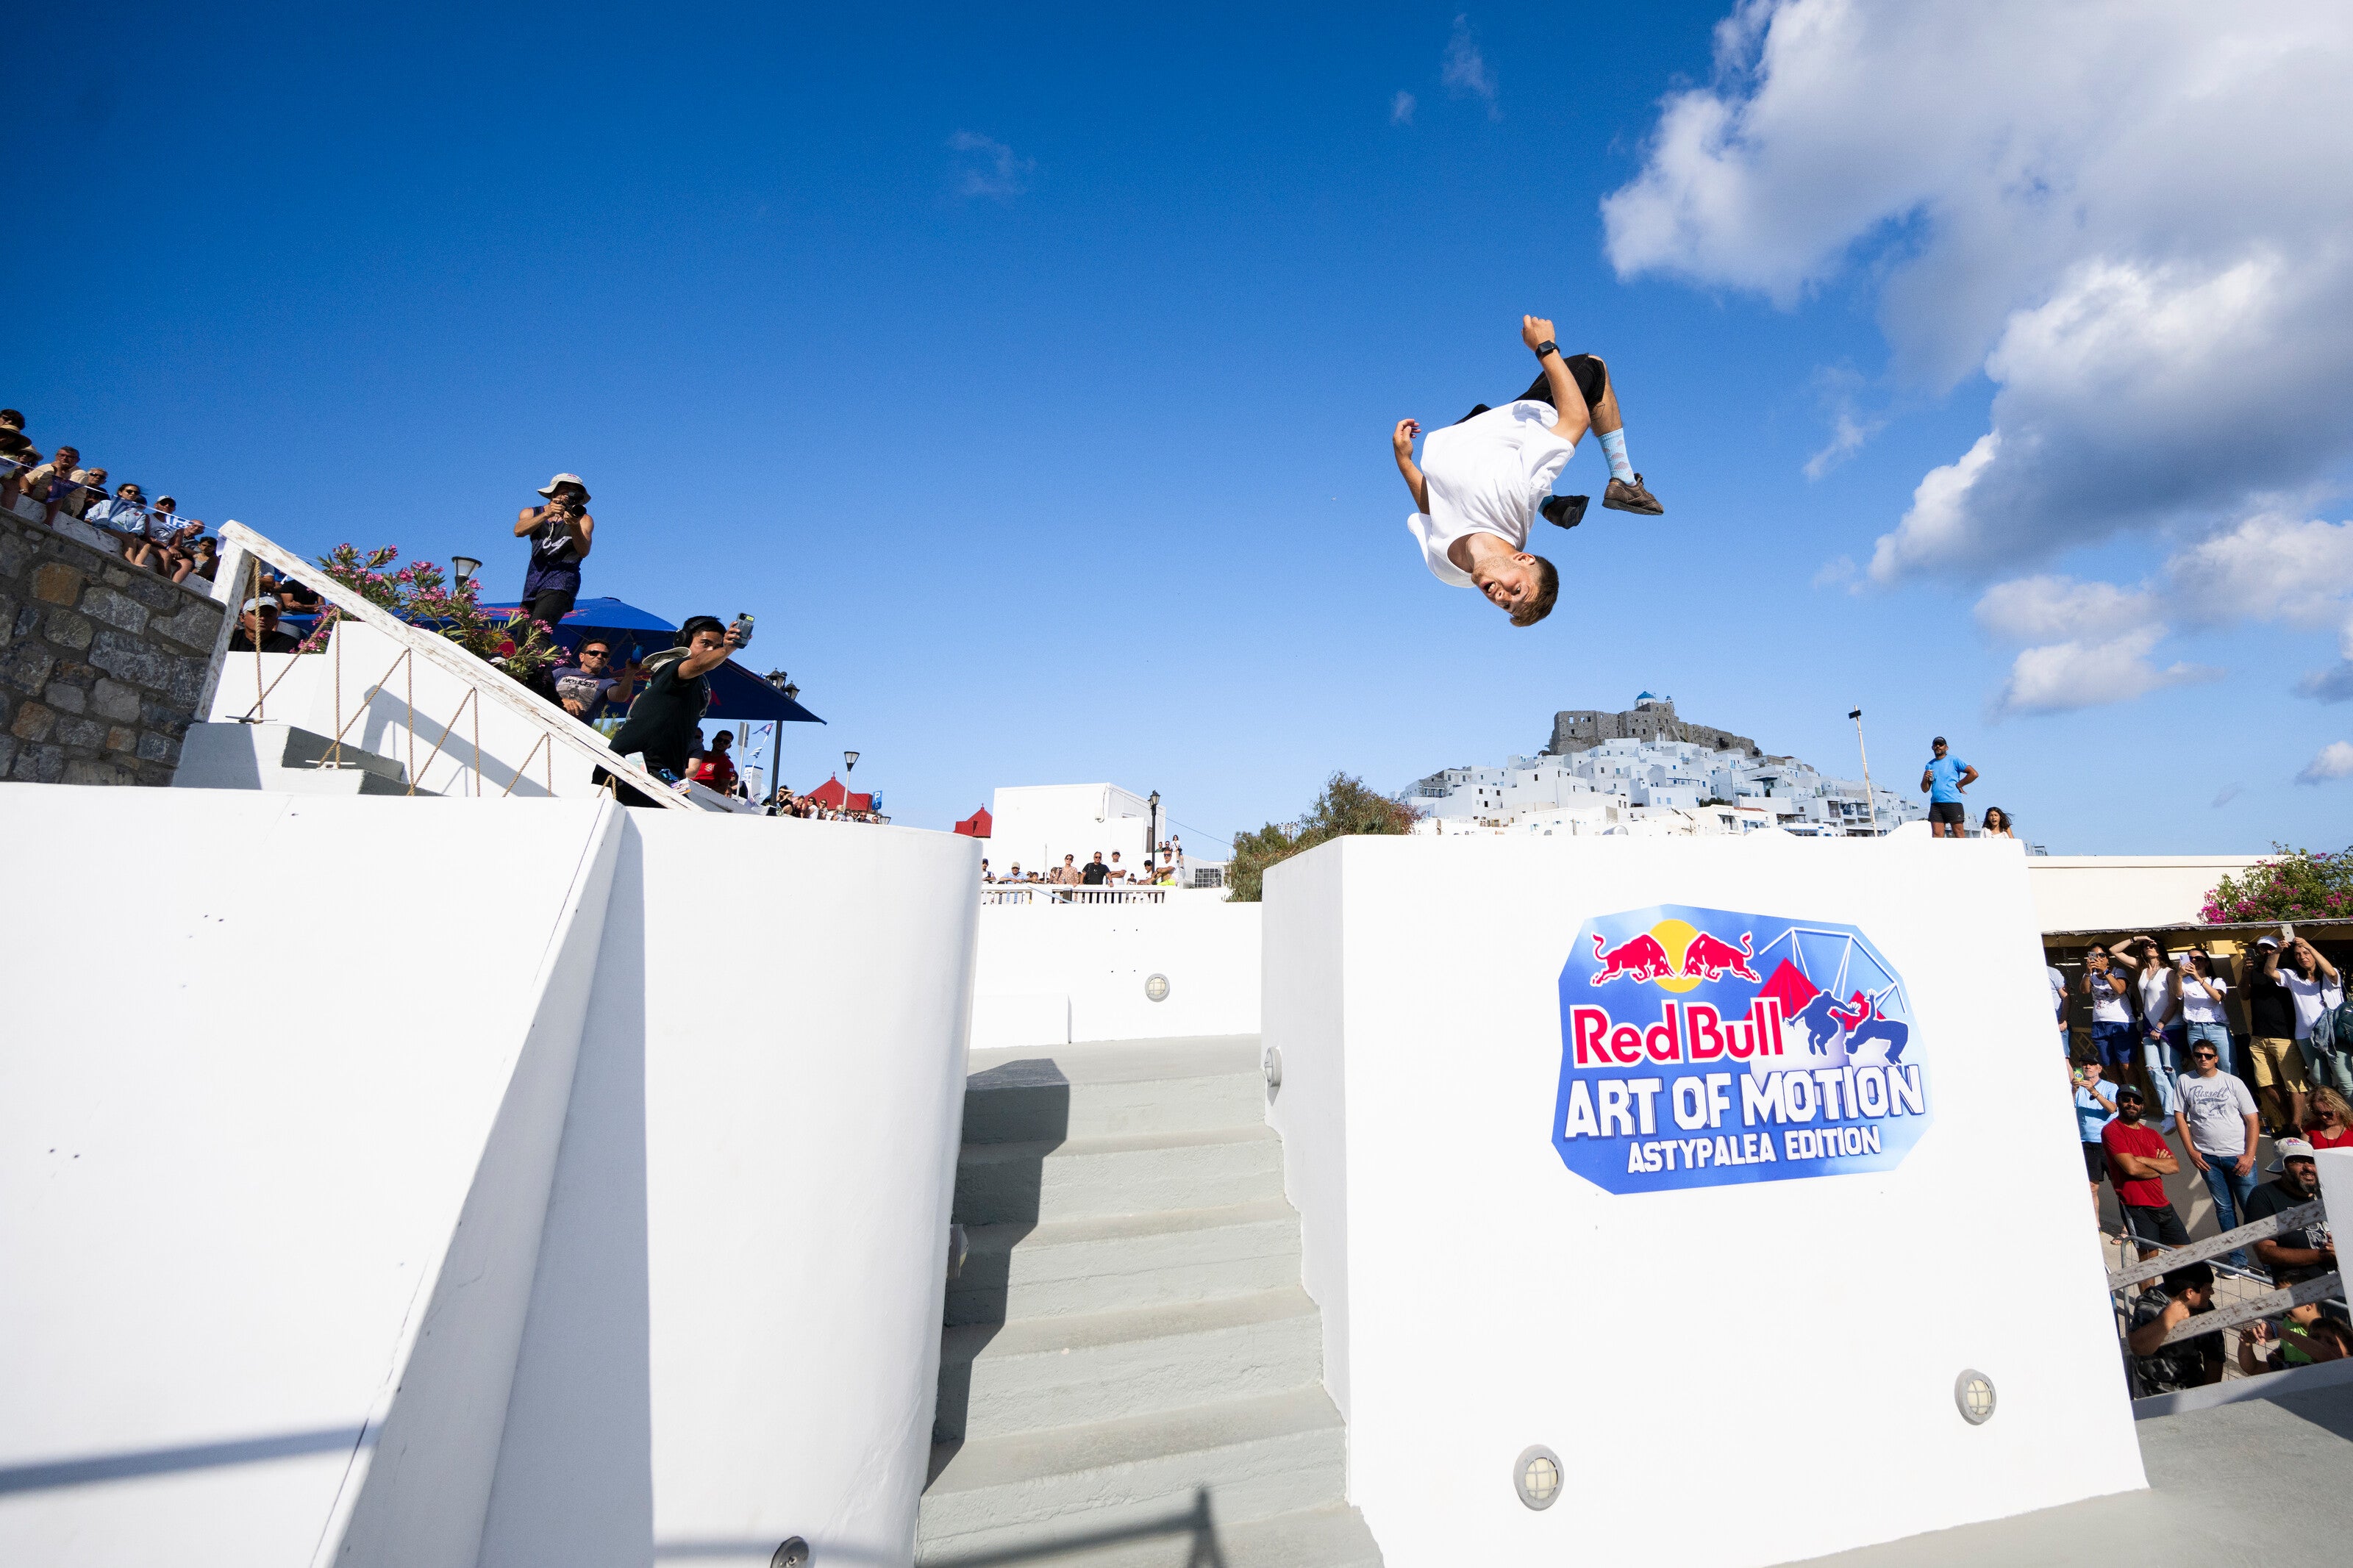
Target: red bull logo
{"points": [[1673, 951], [1781, 1048]]}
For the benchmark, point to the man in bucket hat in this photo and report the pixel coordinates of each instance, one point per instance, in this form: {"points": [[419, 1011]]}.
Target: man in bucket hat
{"points": [[561, 534]]}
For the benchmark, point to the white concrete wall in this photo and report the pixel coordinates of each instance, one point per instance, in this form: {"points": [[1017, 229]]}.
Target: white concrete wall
{"points": [[278, 1119], [2109, 892], [1095, 959], [736, 1333], [431, 1212], [1732, 1374]]}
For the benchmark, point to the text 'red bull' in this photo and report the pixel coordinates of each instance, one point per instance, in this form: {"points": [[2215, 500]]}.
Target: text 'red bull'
{"points": [[1685, 1032]]}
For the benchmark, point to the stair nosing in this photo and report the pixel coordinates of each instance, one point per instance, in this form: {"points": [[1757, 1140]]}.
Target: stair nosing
{"points": [[1056, 1332], [1118, 1143], [1086, 1230], [1159, 1436]]}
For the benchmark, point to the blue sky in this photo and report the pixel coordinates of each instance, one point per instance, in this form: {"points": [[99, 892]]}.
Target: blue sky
{"points": [[1031, 379]]}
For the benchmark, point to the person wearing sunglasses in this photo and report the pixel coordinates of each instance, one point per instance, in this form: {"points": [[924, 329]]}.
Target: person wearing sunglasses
{"points": [[2218, 1132]]}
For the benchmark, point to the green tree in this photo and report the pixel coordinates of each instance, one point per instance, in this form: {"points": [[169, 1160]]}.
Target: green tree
{"points": [[1346, 806], [2297, 885]]}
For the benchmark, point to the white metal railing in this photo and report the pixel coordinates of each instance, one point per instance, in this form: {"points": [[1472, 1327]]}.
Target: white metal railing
{"points": [[1057, 893], [243, 554]]}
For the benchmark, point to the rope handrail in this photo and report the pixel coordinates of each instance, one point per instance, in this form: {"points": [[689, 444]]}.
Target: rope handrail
{"points": [[489, 682]]}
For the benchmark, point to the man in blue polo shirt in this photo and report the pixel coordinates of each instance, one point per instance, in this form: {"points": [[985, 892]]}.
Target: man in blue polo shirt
{"points": [[1944, 778]]}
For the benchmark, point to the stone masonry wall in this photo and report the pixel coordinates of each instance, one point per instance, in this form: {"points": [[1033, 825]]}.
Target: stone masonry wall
{"points": [[103, 664]]}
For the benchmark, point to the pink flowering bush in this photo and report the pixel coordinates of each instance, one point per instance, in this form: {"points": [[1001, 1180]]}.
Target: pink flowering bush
{"points": [[419, 594], [2297, 885]]}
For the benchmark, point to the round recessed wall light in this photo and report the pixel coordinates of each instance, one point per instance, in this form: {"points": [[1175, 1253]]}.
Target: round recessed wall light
{"points": [[793, 1552], [1272, 1064], [1156, 988], [1973, 1392], [1536, 1476]]}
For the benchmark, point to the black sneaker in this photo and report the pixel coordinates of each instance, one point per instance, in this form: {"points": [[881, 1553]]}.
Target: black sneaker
{"points": [[1564, 511]]}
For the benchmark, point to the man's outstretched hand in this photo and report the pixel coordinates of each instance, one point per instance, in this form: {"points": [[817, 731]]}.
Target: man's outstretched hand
{"points": [[1401, 438], [1534, 329]]}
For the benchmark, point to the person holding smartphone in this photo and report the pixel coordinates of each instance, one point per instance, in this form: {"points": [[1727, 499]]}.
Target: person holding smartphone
{"points": [[667, 717], [2162, 1038], [2112, 1023]]}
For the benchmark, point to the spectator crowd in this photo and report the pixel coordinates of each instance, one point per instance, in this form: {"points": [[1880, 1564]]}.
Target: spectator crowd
{"points": [[1163, 868], [2193, 1060], [149, 534]]}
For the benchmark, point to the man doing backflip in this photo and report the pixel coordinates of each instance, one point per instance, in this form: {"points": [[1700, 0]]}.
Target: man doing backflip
{"points": [[1482, 479]]}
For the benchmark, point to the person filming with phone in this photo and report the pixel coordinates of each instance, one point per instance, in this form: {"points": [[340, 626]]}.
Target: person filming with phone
{"points": [[667, 717]]}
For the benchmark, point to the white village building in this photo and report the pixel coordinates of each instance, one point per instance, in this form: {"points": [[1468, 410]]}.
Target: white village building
{"points": [[1646, 773]]}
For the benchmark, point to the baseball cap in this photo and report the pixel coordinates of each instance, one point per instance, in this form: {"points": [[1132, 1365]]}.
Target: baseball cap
{"points": [[2128, 1092], [2267, 942], [268, 599], [2289, 1149], [549, 489], [1939, 741]]}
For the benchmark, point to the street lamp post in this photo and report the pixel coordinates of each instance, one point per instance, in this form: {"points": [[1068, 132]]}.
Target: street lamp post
{"points": [[1869, 799], [1152, 832]]}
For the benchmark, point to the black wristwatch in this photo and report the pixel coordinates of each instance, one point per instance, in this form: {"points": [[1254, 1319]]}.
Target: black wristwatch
{"points": [[1546, 347]]}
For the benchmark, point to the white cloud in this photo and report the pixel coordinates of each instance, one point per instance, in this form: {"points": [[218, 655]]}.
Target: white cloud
{"points": [[2038, 609], [2335, 761], [2270, 567], [1401, 108], [2133, 219], [2063, 677], [987, 167], [1466, 70]]}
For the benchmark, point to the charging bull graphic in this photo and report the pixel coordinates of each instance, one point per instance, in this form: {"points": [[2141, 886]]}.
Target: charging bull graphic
{"points": [[1694, 1059], [1642, 958]]}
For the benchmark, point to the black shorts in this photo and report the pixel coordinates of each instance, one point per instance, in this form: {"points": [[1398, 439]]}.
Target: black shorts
{"points": [[2159, 1224], [1951, 811], [2095, 1162], [1592, 378], [551, 604]]}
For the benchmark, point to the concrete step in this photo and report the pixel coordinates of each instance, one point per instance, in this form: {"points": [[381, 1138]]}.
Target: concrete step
{"points": [[285, 759], [1257, 1459], [1132, 1174], [1126, 1261], [1313, 1538], [997, 1379], [1105, 1091]]}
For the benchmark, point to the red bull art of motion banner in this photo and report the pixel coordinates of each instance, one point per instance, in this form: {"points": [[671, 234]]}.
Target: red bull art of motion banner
{"points": [[1701, 1046]]}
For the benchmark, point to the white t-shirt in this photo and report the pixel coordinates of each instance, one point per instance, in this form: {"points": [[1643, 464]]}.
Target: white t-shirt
{"points": [[2216, 1109], [2058, 990], [2197, 1008], [2108, 1006], [1487, 475], [2313, 997], [2156, 996]]}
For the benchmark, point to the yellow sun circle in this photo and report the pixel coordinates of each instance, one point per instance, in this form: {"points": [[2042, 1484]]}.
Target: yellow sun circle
{"points": [[1676, 936]]}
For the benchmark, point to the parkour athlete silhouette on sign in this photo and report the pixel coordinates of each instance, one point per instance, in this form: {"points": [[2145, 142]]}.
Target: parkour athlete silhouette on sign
{"points": [[1482, 479]]}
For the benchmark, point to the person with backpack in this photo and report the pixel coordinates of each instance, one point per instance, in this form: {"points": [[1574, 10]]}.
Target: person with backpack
{"points": [[666, 718]]}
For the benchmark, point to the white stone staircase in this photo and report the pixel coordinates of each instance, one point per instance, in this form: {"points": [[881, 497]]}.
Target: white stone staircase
{"points": [[285, 758], [1130, 1375]]}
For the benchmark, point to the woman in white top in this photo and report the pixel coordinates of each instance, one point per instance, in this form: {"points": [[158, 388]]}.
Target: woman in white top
{"points": [[2112, 1024], [2160, 984], [2203, 1016], [1997, 824]]}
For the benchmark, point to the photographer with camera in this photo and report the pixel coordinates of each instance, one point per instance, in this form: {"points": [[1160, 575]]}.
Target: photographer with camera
{"points": [[561, 533]]}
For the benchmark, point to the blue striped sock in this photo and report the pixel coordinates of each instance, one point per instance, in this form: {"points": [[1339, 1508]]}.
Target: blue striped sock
{"points": [[1613, 446]]}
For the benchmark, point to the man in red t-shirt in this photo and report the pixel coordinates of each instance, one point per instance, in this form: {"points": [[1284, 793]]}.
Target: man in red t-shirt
{"points": [[715, 769], [2139, 1160]]}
